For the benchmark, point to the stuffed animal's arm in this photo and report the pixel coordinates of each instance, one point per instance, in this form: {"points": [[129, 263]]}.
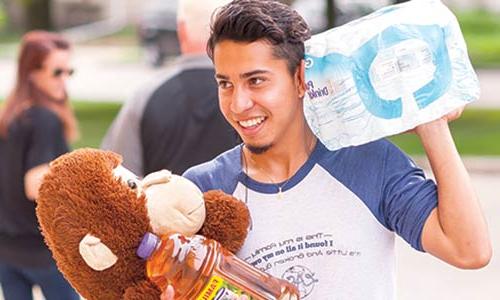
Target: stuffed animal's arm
{"points": [[227, 220], [144, 290]]}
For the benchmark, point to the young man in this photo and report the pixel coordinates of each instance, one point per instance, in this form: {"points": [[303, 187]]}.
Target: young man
{"points": [[173, 123], [326, 220]]}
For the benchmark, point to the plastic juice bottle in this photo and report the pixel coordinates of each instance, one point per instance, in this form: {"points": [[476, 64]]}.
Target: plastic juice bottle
{"points": [[200, 269]]}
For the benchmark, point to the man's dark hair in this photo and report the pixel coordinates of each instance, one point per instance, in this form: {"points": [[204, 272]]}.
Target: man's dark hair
{"points": [[252, 20]]}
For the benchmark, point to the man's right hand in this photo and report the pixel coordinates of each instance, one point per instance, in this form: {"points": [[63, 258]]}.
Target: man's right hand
{"points": [[169, 294]]}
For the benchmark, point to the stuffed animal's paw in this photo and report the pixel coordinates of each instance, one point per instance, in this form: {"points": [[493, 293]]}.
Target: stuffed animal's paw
{"points": [[227, 220]]}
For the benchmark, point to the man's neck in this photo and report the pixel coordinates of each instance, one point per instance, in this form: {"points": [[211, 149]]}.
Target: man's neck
{"points": [[281, 161]]}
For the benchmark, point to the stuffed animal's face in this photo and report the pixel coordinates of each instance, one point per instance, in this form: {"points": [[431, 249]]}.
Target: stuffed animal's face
{"points": [[93, 214], [174, 204]]}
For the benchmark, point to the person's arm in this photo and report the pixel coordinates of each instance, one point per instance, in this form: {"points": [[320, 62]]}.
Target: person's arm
{"points": [[455, 231], [123, 137], [33, 180], [47, 142]]}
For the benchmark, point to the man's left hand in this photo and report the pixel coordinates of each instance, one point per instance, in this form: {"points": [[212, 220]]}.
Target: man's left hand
{"points": [[453, 115]]}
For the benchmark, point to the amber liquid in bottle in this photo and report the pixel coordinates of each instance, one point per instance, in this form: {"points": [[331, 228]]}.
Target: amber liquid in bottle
{"points": [[199, 268]]}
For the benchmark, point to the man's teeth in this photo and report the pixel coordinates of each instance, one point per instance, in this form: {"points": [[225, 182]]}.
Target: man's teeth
{"points": [[251, 122]]}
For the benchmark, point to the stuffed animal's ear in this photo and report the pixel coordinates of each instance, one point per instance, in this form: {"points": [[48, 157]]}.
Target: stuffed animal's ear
{"points": [[144, 290], [96, 254], [227, 220]]}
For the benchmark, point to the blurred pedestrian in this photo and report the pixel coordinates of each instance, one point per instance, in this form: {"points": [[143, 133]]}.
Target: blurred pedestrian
{"points": [[36, 125], [175, 122]]}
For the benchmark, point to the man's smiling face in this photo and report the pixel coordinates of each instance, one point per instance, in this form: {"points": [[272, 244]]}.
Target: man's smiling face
{"points": [[258, 95]]}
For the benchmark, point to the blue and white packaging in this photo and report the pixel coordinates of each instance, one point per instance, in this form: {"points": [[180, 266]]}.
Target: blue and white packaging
{"points": [[386, 73]]}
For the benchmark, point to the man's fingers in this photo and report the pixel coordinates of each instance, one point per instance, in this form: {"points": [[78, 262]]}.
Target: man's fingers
{"points": [[168, 294], [455, 114]]}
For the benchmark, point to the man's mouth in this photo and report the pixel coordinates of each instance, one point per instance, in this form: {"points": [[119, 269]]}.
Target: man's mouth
{"points": [[251, 123]]}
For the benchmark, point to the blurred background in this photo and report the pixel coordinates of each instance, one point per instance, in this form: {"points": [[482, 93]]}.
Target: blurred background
{"points": [[122, 44]]}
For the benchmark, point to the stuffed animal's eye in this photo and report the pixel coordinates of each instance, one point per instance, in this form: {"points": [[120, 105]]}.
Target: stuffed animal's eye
{"points": [[132, 184]]}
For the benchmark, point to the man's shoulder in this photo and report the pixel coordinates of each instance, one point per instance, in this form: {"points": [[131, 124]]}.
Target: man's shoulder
{"points": [[364, 164], [220, 173], [372, 152]]}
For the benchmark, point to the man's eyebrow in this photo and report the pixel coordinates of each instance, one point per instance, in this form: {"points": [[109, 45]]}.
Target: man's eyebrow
{"points": [[220, 76], [244, 75], [252, 73]]}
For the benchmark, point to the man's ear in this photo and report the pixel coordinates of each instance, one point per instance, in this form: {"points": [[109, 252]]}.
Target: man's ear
{"points": [[182, 34], [300, 79]]}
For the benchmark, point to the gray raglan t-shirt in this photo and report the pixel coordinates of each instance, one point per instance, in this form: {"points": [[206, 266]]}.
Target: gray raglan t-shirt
{"points": [[331, 231]]}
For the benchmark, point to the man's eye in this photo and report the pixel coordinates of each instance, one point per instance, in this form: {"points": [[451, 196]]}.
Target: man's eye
{"points": [[224, 84], [132, 184], [256, 80]]}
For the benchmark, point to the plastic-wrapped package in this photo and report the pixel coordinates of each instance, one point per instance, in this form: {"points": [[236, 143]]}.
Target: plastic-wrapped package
{"points": [[386, 73]]}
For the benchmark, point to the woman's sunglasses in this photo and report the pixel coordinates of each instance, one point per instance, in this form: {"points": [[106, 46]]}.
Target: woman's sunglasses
{"points": [[58, 72]]}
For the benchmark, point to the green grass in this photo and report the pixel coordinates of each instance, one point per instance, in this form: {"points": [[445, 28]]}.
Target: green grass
{"points": [[8, 51], [477, 132], [6, 36], [3, 16], [94, 120], [9, 37], [481, 30]]}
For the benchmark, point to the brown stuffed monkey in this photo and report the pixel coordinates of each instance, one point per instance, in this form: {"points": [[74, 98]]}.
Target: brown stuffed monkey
{"points": [[93, 214]]}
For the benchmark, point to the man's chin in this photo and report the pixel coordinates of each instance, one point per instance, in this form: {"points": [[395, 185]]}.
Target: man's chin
{"points": [[257, 149]]}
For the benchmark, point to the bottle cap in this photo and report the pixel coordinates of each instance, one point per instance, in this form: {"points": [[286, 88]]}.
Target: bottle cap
{"points": [[148, 245]]}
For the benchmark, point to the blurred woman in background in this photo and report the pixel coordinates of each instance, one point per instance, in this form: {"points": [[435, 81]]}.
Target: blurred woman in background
{"points": [[36, 126]]}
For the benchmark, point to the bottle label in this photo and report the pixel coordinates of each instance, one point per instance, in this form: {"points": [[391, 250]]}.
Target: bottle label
{"points": [[220, 289]]}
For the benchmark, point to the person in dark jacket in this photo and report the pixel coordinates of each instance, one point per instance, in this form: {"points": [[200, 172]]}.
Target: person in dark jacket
{"points": [[175, 123]]}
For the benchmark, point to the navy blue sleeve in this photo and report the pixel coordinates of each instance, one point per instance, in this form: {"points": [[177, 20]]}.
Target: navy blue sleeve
{"points": [[407, 196], [390, 185], [200, 175], [47, 139], [221, 173]]}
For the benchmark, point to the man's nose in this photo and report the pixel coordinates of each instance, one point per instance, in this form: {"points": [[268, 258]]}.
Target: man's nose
{"points": [[241, 101]]}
